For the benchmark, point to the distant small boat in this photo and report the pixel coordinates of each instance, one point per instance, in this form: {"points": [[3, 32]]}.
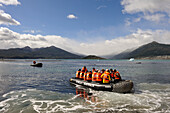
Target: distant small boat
{"points": [[138, 62], [37, 65], [131, 59]]}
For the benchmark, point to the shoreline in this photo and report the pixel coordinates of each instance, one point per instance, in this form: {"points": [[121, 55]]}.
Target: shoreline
{"points": [[166, 57], [57, 60]]}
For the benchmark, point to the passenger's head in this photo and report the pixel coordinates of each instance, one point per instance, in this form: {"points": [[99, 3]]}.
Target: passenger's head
{"points": [[34, 62], [79, 70], [115, 70], [107, 70], [103, 70], [111, 69]]}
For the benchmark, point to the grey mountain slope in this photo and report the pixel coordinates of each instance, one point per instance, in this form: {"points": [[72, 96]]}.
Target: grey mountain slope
{"points": [[46, 53], [149, 50]]}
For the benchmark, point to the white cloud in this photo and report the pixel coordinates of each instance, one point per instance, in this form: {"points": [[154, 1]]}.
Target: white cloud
{"points": [[127, 22], [100, 7], [9, 38], [10, 2], [71, 16], [32, 31], [6, 19], [152, 6], [153, 10], [155, 17]]}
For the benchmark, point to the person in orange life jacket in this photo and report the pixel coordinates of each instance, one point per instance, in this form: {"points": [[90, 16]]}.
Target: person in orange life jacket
{"points": [[89, 76], [85, 76], [111, 73], [94, 74], [106, 77], [93, 70], [78, 73], [98, 77], [117, 76], [82, 75], [84, 68]]}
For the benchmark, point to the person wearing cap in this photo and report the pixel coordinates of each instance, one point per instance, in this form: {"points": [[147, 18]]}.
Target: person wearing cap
{"points": [[106, 77]]}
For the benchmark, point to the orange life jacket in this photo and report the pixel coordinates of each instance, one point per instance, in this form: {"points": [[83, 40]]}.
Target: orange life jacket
{"points": [[106, 77], [85, 78], [117, 75], [89, 76], [85, 69], [78, 74], [94, 76], [81, 75], [112, 74], [98, 77]]}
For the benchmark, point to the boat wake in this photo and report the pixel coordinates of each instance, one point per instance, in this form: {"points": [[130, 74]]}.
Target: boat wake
{"points": [[86, 100]]}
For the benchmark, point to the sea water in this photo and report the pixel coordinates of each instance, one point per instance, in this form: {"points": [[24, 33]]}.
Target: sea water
{"points": [[26, 89]]}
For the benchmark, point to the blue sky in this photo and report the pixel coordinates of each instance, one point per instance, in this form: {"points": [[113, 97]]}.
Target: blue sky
{"points": [[50, 17], [91, 26]]}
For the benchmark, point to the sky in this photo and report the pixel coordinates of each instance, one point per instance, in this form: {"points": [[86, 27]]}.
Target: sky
{"points": [[89, 27]]}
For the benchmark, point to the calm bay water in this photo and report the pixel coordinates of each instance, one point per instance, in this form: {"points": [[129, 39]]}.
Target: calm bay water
{"points": [[26, 89]]}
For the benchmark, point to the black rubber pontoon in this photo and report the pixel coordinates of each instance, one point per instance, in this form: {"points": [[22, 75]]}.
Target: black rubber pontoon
{"points": [[37, 65], [124, 86]]}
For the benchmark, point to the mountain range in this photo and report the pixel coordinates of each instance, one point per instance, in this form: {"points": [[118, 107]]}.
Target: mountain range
{"points": [[150, 50], [43, 53]]}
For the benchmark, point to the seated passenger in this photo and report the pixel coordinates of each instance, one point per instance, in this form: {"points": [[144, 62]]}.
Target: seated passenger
{"points": [[78, 73], [34, 62], [117, 76], [98, 77], [106, 77], [85, 76], [89, 76], [82, 75], [84, 68], [93, 70], [94, 74], [112, 74]]}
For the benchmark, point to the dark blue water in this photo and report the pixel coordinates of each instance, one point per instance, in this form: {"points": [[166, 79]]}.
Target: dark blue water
{"points": [[30, 89]]}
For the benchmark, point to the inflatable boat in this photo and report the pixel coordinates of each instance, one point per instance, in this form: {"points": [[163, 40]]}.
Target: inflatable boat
{"points": [[124, 86], [37, 65]]}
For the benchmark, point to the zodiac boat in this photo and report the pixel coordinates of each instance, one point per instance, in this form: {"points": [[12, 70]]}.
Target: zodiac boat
{"points": [[124, 86], [37, 65]]}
